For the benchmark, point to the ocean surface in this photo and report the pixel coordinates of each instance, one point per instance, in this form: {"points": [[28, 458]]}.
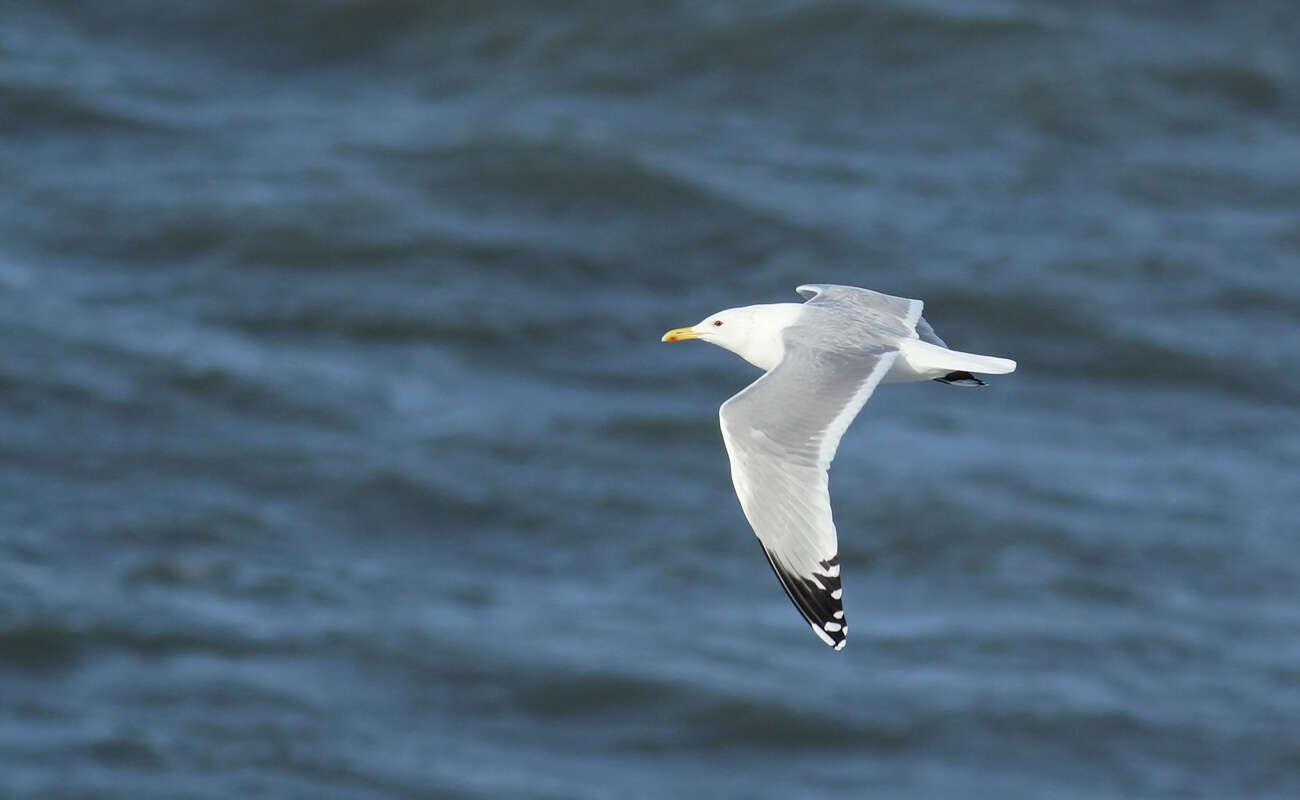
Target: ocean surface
{"points": [[340, 457]]}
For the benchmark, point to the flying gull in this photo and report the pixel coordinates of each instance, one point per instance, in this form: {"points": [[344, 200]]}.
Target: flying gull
{"points": [[821, 359]]}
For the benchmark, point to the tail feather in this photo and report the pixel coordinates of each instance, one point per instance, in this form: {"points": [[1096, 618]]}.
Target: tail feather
{"points": [[924, 357]]}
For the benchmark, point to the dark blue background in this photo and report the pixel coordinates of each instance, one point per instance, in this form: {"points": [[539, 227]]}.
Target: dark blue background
{"points": [[339, 455]]}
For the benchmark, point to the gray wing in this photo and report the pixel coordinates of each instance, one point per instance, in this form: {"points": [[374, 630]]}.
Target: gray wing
{"points": [[891, 315], [925, 332], [781, 434]]}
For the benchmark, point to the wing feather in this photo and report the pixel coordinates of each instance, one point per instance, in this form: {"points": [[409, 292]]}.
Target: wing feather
{"points": [[781, 434], [890, 314]]}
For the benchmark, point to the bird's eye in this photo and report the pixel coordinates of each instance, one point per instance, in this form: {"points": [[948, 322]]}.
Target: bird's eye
{"points": [[717, 323]]}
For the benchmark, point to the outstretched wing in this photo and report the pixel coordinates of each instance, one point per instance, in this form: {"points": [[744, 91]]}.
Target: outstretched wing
{"points": [[925, 332], [781, 434], [886, 313]]}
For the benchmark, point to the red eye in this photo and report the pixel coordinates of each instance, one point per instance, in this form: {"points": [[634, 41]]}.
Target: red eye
{"points": [[717, 323]]}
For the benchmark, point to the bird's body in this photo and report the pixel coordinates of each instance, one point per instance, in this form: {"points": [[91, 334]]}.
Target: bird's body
{"points": [[822, 360]]}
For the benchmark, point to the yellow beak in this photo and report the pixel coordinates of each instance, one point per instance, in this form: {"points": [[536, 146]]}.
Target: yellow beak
{"points": [[678, 334]]}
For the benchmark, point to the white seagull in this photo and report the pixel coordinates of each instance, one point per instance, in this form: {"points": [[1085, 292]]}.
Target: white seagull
{"points": [[822, 359]]}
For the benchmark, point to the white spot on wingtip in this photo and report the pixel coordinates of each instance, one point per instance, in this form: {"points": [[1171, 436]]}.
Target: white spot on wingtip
{"points": [[832, 626], [840, 645], [821, 634], [834, 571], [837, 594], [839, 615]]}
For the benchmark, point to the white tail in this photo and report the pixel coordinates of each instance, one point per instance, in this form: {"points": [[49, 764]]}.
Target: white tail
{"points": [[927, 360]]}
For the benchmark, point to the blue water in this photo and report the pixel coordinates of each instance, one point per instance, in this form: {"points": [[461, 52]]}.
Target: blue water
{"points": [[339, 455]]}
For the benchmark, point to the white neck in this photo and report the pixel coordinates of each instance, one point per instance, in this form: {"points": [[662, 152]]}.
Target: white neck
{"points": [[755, 332]]}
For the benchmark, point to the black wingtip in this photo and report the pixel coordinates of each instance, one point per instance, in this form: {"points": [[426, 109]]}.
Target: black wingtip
{"points": [[961, 378], [819, 598]]}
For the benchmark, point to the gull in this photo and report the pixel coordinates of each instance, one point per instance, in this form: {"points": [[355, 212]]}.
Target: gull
{"points": [[821, 359]]}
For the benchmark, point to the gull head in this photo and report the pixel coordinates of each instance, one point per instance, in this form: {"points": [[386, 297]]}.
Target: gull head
{"points": [[751, 332]]}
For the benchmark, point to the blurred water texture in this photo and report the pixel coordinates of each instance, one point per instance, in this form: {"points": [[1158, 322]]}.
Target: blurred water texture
{"points": [[340, 457]]}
